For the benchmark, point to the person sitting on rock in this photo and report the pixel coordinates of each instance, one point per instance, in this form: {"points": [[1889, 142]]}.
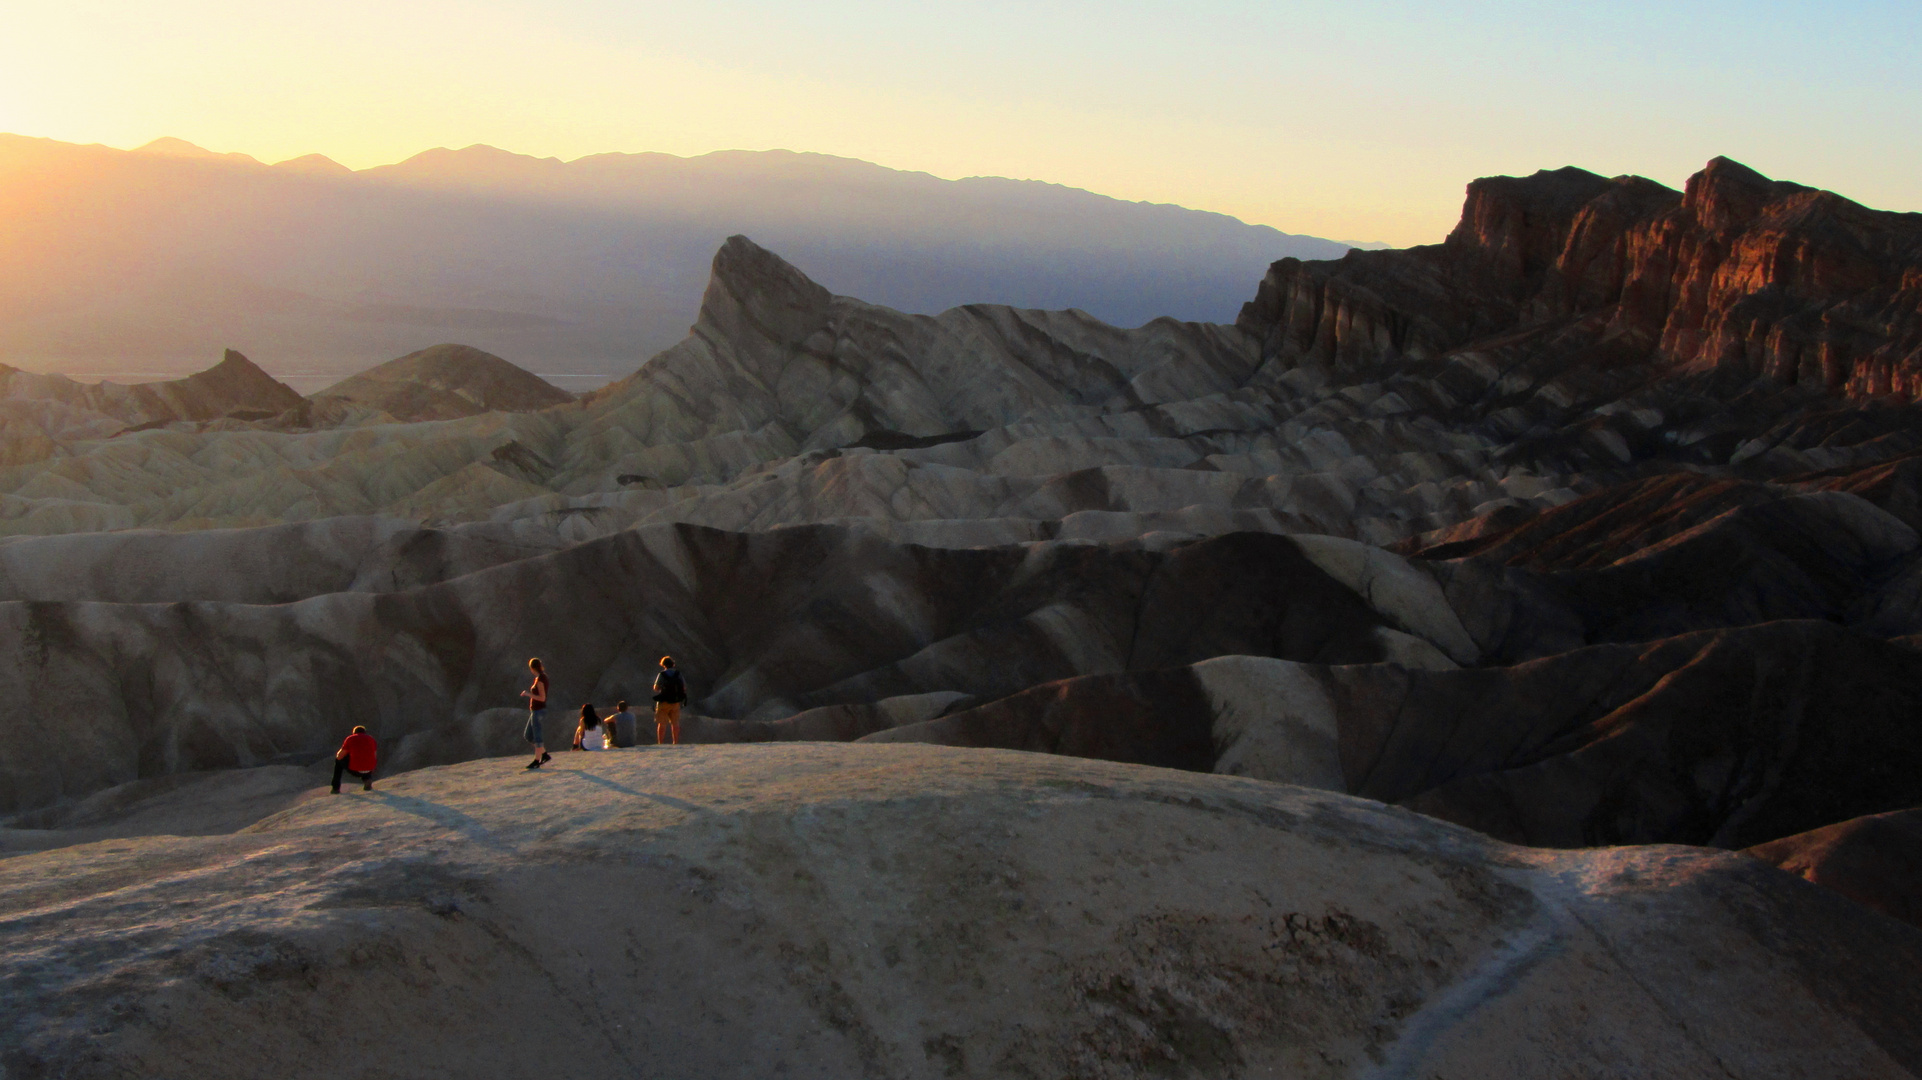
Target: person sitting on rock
{"points": [[536, 696], [357, 755], [621, 725], [590, 734], [670, 690]]}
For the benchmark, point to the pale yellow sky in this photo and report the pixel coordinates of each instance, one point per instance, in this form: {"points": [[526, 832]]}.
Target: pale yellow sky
{"points": [[1355, 121]]}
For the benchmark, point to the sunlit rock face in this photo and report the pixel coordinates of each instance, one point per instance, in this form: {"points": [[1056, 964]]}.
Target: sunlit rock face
{"points": [[1739, 275]]}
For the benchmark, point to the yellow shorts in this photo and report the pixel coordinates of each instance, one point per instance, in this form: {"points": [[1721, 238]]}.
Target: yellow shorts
{"points": [[667, 712]]}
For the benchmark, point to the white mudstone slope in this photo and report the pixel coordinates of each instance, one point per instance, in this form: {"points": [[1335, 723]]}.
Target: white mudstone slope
{"points": [[900, 911]]}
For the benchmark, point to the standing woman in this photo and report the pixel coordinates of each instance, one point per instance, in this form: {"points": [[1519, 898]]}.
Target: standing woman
{"points": [[670, 690], [536, 696]]}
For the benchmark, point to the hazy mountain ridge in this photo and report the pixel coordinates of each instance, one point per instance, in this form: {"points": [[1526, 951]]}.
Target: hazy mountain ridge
{"points": [[590, 265]]}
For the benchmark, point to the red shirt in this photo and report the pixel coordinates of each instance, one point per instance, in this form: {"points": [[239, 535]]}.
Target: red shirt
{"points": [[360, 751]]}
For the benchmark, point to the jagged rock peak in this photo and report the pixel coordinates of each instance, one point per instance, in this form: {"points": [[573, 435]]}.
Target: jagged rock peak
{"points": [[235, 385], [749, 281], [1728, 194], [1741, 276], [1518, 223]]}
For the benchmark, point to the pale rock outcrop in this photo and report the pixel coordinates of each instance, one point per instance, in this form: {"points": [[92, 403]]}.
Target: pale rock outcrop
{"points": [[1403, 594], [920, 912], [235, 387], [1274, 721], [438, 383]]}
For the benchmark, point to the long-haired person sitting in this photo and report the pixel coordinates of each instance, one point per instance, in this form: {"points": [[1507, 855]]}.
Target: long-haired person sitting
{"points": [[590, 734]]}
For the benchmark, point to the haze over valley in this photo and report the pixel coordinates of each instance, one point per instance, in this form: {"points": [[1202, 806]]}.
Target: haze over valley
{"points": [[145, 263]]}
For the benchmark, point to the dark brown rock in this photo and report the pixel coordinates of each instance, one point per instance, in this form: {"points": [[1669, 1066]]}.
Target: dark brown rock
{"points": [[1727, 738], [1875, 860], [236, 387], [1160, 717]]}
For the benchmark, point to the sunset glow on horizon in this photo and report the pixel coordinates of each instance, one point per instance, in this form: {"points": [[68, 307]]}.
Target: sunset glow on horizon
{"points": [[1357, 122]]}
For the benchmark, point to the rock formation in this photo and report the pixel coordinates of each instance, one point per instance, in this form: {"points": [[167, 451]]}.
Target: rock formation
{"points": [[439, 383], [1723, 738], [235, 388], [1592, 529], [1596, 524], [869, 911], [1874, 860], [1739, 276], [787, 405]]}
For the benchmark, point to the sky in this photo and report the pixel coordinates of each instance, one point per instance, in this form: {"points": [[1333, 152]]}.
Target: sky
{"points": [[1354, 120]]}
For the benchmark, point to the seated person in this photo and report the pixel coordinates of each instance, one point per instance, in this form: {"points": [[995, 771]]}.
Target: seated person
{"points": [[591, 734], [622, 724], [357, 755]]}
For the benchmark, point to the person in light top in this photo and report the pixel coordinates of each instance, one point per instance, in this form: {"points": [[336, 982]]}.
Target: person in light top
{"points": [[590, 733]]}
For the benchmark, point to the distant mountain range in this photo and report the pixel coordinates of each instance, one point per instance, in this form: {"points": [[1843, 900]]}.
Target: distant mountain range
{"points": [[160, 257]]}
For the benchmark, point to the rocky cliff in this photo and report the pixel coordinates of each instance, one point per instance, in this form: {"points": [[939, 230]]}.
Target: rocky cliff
{"points": [[1739, 276]]}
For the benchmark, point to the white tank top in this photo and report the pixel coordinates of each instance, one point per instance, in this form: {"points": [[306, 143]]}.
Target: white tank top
{"points": [[594, 738]]}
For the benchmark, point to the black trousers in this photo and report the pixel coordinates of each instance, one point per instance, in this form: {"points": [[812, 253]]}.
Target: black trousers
{"points": [[340, 766]]}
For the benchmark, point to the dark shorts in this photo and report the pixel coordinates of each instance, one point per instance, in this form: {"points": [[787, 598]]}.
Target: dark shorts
{"points": [[532, 732]]}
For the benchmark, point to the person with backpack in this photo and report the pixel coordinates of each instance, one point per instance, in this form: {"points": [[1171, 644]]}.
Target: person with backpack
{"points": [[357, 755], [670, 690]]}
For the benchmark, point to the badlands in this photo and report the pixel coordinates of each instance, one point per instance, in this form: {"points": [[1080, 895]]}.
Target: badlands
{"points": [[1502, 657]]}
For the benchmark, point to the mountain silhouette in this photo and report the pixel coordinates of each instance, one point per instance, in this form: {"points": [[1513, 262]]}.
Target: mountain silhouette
{"points": [[164, 255]]}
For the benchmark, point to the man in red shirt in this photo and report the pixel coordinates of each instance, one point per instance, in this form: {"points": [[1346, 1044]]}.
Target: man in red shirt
{"points": [[356, 755]]}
